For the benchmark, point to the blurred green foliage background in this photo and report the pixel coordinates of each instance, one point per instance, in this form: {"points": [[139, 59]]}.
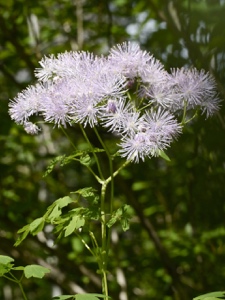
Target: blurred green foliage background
{"points": [[175, 248]]}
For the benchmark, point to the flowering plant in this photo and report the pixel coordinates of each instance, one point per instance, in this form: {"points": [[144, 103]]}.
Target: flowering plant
{"points": [[127, 94]]}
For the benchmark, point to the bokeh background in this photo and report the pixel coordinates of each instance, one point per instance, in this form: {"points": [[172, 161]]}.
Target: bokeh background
{"points": [[175, 248]]}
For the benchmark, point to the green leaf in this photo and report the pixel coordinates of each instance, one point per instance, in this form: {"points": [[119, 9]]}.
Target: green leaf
{"points": [[89, 296], [164, 155], [85, 160], [81, 297], [4, 260], [5, 269], [96, 150], [123, 215], [125, 223], [5, 264], [35, 271], [25, 230], [52, 164], [20, 268], [37, 226], [64, 297], [56, 212], [86, 192], [211, 296], [63, 202], [76, 222]]}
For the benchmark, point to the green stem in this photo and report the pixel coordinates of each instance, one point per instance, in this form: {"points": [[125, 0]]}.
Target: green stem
{"points": [[85, 244], [93, 151], [104, 251], [184, 121], [126, 163], [14, 279], [111, 180], [195, 115], [91, 171], [11, 279], [106, 236], [64, 131], [184, 113], [22, 291], [110, 167]]}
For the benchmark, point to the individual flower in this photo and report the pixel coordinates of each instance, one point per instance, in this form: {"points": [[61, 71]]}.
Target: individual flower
{"points": [[132, 122], [162, 122], [57, 102], [194, 89], [128, 59], [27, 103], [68, 64], [116, 114], [135, 146], [111, 85], [210, 106], [153, 73], [155, 133], [159, 94], [84, 110], [31, 128]]}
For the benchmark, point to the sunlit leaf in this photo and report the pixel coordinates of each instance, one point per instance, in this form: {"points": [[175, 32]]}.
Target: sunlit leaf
{"points": [[35, 271], [164, 155], [62, 202], [37, 226], [86, 192], [211, 296], [75, 223], [90, 296], [5, 259], [5, 264], [25, 230], [56, 212], [20, 268], [64, 297]]}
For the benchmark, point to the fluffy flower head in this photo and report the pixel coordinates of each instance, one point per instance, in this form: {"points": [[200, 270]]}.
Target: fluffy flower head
{"points": [[128, 92]]}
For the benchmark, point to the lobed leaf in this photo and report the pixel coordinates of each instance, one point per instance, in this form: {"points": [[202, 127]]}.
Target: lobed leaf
{"points": [[52, 164], [55, 213], [37, 225], [5, 264], [76, 222], [25, 230], [64, 297], [88, 192], [211, 296], [4, 259], [63, 202], [90, 296], [122, 215], [81, 297], [35, 271]]}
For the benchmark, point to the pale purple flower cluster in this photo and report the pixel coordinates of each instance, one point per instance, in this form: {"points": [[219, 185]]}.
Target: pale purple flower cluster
{"points": [[128, 92]]}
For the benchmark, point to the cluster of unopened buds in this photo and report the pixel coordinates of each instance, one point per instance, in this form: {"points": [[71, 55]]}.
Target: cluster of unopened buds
{"points": [[127, 92]]}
